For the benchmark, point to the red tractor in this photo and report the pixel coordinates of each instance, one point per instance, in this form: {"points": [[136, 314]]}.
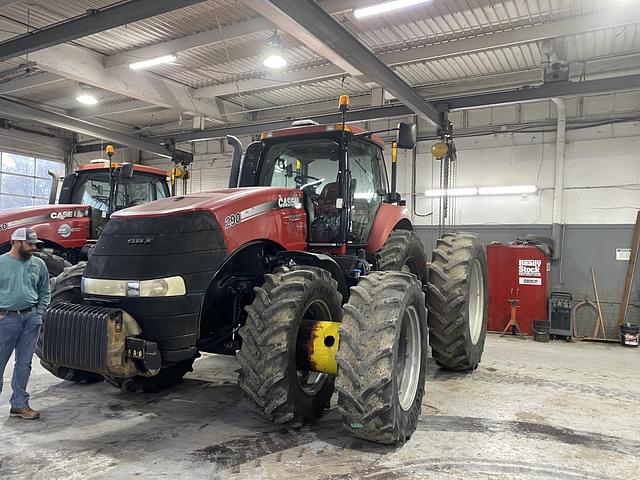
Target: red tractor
{"points": [[307, 268], [70, 228]]}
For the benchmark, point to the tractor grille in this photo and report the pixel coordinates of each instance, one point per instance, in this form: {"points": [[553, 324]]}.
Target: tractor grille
{"points": [[189, 244], [75, 336]]}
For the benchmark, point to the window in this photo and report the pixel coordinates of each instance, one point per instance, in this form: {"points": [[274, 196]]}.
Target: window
{"points": [[294, 164], [24, 180]]}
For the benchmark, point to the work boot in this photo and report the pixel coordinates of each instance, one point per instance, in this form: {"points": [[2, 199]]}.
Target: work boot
{"points": [[27, 413]]}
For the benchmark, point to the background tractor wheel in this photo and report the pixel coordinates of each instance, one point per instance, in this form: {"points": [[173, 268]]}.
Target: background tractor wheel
{"points": [[55, 264], [270, 377], [403, 252], [167, 377], [382, 357], [458, 301], [66, 288]]}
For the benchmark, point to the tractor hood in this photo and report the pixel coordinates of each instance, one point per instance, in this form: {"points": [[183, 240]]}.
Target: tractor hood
{"points": [[44, 219], [218, 203], [243, 214]]}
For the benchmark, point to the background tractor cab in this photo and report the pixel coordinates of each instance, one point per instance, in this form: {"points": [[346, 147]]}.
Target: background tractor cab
{"points": [[106, 190], [339, 167], [87, 199]]}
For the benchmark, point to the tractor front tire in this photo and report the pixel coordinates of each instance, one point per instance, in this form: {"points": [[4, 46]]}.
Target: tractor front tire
{"points": [[55, 264], [458, 301], [269, 376], [382, 357], [403, 252], [66, 288]]}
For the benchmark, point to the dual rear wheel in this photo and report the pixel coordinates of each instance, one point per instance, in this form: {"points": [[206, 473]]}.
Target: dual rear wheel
{"points": [[382, 350]]}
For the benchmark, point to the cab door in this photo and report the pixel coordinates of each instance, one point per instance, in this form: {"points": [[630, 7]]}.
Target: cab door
{"points": [[368, 187]]}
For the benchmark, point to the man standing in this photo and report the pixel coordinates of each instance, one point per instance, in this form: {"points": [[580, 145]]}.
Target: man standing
{"points": [[24, 296]]}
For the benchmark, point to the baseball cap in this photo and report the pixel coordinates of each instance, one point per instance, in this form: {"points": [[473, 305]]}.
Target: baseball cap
{"points": [[25, 235]]}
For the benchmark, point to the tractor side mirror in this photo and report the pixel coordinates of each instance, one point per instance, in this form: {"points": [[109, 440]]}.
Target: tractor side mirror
{"points": [[126, 171], [407, 135]]}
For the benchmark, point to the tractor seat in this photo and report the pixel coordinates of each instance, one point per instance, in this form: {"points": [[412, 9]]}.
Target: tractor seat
{"points": [[327, 198]]}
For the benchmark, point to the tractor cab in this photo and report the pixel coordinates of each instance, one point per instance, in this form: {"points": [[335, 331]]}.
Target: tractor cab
{"points": [[308, 159], [107, 190], [339, 167]]}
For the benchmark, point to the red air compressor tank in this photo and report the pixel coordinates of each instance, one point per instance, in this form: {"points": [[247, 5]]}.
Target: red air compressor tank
{"points": [[517, 272]]}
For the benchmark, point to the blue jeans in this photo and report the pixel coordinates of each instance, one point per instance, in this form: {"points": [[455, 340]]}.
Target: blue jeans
{"points": [[18, 332]]}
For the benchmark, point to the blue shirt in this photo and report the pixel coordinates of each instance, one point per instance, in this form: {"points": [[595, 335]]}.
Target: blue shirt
{"points": [[23, 283]]}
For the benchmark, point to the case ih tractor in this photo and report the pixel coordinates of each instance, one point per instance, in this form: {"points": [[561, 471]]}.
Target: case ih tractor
{"points": [[306, 268], [88, 197]]}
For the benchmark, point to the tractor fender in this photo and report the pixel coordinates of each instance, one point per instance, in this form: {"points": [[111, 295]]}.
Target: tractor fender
{"points": [[251, 258], [388, 218], [318, 260]]}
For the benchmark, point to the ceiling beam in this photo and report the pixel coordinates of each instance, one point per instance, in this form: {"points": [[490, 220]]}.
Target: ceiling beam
{"points": [[86, 67], [29, 81], [294, 29], [27, 112], [326, 29], [191, 41], [114, 109], [94, 21], [560, 28], [225, 33], [545, 91]]}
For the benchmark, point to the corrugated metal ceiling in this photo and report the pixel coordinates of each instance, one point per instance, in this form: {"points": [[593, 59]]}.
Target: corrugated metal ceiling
{"points": [[441, 20]]}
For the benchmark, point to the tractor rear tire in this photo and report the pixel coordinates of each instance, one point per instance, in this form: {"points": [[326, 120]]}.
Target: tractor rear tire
{"points": [[66, 288], [458, 301], [269, 375], [382, 357], [55, 264], [403, 252], [167, 377]]}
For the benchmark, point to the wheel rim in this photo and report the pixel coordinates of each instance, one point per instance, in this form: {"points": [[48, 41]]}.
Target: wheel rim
{"points": [[476, 301], [408, 361], [312, 382]]}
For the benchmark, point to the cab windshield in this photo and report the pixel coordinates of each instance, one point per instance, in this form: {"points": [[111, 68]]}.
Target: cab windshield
{"points": [[93, 189], [312, 165]]}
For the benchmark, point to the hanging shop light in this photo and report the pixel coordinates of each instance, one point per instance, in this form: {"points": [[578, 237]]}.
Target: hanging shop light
{"points": [[274, 57]]}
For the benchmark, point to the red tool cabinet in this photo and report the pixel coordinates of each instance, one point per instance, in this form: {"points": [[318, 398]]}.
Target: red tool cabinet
{"points": [[517, 271]]}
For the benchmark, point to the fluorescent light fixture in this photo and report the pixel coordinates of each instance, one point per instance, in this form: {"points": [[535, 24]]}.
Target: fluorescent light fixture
{"points": [[385, 7], [452, 192], [152, 62], [471, 191], [274, 61], [510, 190], [87, 99]]}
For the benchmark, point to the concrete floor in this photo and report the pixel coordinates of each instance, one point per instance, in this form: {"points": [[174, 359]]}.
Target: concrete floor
{"points": [[532, 410]]}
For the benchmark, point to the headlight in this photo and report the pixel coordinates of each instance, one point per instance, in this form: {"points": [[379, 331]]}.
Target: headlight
{"points": [[160, 287]]}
